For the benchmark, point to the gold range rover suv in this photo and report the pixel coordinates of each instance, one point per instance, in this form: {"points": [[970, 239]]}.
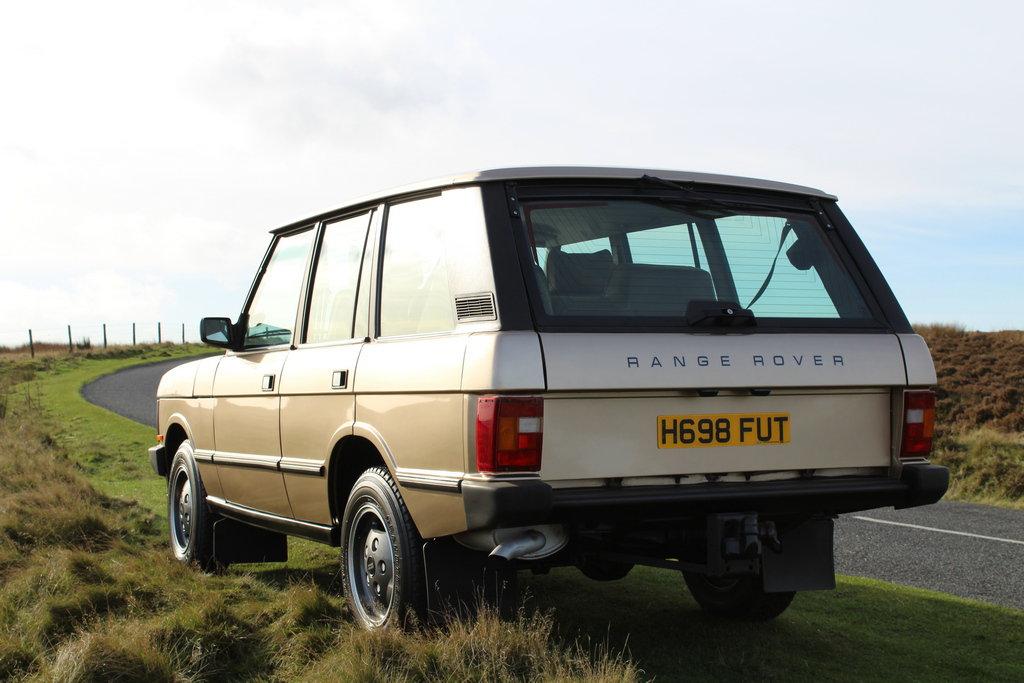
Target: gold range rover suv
{"points": [[540, 367]]}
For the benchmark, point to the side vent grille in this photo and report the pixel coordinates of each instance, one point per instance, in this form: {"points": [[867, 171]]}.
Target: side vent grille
{"points": [[475, 307]]}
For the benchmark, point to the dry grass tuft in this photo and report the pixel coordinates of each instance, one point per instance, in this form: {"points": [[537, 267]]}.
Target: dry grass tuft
{"points": [[485, 649], [110, 654], [985, 465]]}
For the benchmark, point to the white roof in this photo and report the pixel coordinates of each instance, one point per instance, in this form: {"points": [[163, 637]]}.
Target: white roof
{"points": [[582, 172]]}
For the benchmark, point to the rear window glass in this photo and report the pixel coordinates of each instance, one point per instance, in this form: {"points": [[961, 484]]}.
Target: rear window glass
{"points": [[640, 259]]}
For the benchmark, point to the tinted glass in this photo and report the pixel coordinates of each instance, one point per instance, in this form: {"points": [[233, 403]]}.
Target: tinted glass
{"points": [[333, 300], [672, 245], [415, 296], [629, 258], [273, 308], [797, 287]]}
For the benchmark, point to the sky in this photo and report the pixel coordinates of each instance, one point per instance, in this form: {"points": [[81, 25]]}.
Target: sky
{"points": [[146, 149]]}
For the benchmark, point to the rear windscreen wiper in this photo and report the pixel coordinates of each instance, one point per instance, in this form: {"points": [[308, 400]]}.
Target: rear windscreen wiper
{"points": [[719, 314], [695, 194]]}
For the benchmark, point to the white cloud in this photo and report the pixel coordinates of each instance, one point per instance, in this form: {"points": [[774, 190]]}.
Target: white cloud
{"points": [[159, 142], [85, 303]]}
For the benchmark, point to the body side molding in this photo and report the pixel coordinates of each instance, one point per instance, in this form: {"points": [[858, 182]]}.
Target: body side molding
{"points": [[302, 466], [438, 480], [321, 533]]}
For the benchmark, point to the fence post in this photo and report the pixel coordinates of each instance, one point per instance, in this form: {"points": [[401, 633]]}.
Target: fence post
{"points": [[31, 344], [133, 334], [183, 333], [159, 336], [70, 348], [104, 335]]}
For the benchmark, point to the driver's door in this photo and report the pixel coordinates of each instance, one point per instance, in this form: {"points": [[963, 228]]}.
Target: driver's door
{"points": [[246, 415]]}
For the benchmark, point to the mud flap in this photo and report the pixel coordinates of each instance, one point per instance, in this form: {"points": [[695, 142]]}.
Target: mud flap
{"points": [[459, 580], [237, 543], [804, 560]]}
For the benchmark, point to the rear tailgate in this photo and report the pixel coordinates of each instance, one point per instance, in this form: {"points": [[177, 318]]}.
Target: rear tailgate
{"points": [[611, 398]]}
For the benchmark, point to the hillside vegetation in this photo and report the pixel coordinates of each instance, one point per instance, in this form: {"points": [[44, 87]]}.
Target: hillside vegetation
{"points": [[981, 377], [980, 411]]}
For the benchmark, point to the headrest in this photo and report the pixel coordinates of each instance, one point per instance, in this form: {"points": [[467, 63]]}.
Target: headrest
{"points": [[661, 290], [579, 273]]}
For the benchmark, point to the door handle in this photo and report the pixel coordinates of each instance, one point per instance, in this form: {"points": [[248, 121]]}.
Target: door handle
{"points": [[268, 382], [339, 379]]}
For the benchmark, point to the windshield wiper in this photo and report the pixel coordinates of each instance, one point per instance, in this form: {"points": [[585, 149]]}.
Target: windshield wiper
{"points": [[678, 187], [699, 197], [714, 313]]}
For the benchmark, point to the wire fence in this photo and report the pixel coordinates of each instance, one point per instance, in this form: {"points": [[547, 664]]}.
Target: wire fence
{"points": [[82, 336]]}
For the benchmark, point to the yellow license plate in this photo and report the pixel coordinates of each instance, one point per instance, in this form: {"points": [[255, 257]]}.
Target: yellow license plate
{"points": [[732, 429]]}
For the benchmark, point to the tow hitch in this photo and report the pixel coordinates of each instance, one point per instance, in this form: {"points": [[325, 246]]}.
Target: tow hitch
{"points": [[737, 541], [799, 558]]}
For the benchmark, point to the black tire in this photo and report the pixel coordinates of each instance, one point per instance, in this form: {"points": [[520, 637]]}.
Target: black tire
{"points": [[188, 516], [736, 598], [377, 531]]}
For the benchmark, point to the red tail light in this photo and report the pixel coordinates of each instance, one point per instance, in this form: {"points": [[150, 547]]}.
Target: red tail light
{"points": [[918, 424], [509, 433]]}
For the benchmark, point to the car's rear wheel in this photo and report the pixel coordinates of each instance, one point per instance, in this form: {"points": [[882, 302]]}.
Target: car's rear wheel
{"points": [[381, 554], [736, 598], [188, 516]]}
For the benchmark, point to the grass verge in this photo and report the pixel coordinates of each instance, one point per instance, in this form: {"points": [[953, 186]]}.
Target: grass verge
{"points": [[985, 466], [980, 412], [89, 592]]}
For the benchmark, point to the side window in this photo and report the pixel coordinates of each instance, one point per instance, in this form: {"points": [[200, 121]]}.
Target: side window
{"points": [[415, 297], [273, 308], [671, 245], [336, 280]]}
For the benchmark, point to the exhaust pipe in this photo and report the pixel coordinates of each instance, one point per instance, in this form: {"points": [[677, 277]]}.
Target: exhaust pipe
{"points": [[530, 541]]}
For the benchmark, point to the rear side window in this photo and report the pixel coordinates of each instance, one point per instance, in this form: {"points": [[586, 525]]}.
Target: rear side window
{"points": [[629, 259], [274, 305], [415, 297], [335, 282]]}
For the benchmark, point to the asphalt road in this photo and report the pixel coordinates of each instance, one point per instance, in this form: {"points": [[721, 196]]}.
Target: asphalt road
{"points": [[131, 392], [974, 551]]}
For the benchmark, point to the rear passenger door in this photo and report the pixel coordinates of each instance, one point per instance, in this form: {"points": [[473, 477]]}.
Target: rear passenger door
{"points": [[247, 432], [317, 403]]}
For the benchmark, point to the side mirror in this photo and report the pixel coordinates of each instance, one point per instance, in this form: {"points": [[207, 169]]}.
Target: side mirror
{"points": [[218, 332]]}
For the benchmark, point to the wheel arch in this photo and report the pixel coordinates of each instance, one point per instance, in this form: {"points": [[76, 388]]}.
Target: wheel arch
{"points": [[177, 433], [350, 457]]}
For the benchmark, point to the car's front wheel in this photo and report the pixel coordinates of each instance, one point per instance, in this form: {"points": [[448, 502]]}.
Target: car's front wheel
{"points": [[381, 554], [189, 518], [736, 598]]}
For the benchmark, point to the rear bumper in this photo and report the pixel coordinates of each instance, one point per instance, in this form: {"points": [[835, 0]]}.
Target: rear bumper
{"points": [[532, 501]]}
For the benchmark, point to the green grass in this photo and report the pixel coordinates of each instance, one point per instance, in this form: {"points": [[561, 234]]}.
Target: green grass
{"points": [[864, 630], [89, 592], [110, 448]]}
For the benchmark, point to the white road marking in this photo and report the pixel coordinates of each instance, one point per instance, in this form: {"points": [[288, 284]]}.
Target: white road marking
{"points": [[942, 531]]}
